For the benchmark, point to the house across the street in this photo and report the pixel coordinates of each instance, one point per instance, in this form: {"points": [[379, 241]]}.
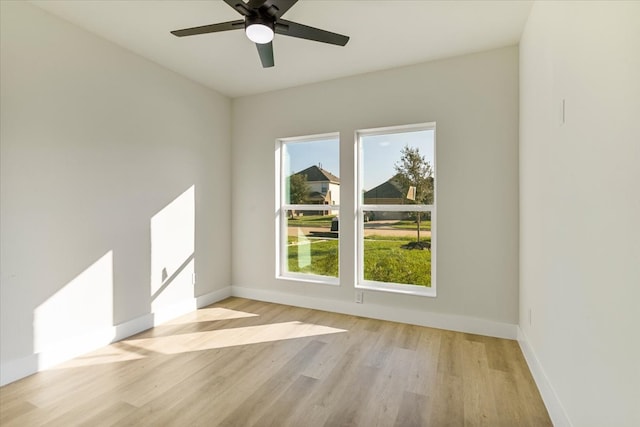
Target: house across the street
{"points": [[388, 193], [324, 189]]}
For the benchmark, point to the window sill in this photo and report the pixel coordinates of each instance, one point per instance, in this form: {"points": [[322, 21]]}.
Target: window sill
{"points": [[310, 278], [397, 288]]}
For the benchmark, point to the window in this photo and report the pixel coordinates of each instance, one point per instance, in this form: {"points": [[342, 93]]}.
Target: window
{"points": [[397, 209], [307, 208]]}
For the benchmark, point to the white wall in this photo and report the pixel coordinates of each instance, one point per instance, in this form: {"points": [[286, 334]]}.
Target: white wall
{"points": [[474, 100], [335, 194], [111, 167], [580, 209]]}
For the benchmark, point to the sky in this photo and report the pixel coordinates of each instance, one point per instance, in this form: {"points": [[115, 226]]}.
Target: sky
{"points": [[379, 154], [308, 153]]}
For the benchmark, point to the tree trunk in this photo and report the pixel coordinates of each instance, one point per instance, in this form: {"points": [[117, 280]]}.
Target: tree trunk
{"points": [[419, 214]]}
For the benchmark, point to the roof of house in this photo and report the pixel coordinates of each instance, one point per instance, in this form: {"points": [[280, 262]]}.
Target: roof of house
{"points": [[316, 196], [389, 189], [316, 174]]}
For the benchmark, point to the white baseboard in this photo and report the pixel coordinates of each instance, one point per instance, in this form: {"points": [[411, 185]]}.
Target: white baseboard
{"points": [[213, 297], [16, 369], [67, 349], [131, 327], [181, 308], [558, 415], [434, 320]]}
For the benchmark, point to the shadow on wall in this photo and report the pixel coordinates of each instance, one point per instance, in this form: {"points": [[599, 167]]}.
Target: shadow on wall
{"points": [[80, 315]]}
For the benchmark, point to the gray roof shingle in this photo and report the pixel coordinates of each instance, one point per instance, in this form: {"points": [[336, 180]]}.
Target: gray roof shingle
{"points": [[387, 190], [317, 174]]}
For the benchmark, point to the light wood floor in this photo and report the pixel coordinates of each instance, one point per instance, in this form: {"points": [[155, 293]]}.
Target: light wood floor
{"points": [[246, 363]]}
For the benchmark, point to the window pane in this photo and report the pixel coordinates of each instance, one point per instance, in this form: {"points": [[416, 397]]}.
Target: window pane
{"points": [[310, 172], [398, 168], [397, 247], [312, 243], [308, 232]]}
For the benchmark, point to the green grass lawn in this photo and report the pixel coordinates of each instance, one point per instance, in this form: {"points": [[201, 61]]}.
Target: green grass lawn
{"points": [[324, 258], [384, 260], [411, 225], [310, 221], [387, 261]]}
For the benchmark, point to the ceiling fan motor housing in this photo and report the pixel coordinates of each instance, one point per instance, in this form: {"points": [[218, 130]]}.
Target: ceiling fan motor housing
{"points": [[259, 19]]}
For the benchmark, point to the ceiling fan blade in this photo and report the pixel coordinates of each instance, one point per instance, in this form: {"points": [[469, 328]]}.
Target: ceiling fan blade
{"points": [[213, 28], [240, 7], [266, 54], [281, 6], [293, 29]]}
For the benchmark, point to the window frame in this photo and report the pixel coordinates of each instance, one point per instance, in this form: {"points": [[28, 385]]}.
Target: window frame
{"points": [[282, 207], [361, 208]]}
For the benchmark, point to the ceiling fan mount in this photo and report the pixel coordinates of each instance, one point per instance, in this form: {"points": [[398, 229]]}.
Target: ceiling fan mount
{"points": [[262, 20]]}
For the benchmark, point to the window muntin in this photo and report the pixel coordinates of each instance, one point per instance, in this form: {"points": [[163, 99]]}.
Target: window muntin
{"points": [[396, 209], [308, 208]]}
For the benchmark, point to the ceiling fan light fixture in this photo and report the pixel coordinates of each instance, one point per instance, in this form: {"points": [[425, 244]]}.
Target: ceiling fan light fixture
{"points": [[259, 33]]}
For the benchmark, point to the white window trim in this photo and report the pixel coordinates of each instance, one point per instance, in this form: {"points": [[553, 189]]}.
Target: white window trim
{"points": [[281, 218], [400, 288]]}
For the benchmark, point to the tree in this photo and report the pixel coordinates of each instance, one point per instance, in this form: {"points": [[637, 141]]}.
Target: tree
{"points": [[298, 190], [413, 170]]}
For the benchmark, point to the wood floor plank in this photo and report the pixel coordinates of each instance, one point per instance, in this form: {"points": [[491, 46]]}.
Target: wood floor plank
{"points": [[264, 396], [241, 371], [447, 409], [249, 363], [278, 414], [388, 391], [425, 366], [13, 410], [450, 354], [478, 396], [410, 412], [346, 410]]}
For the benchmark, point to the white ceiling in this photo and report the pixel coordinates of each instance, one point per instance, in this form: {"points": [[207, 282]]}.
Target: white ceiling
{"points": [[384, 34]]}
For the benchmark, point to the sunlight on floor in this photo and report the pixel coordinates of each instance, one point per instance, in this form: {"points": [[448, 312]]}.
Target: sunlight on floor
{"points": [[111, 354], [135, 349], [210, 315], [199, 341]]}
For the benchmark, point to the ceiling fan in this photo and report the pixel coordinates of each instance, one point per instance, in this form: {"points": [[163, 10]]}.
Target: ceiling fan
{"points": [[262, 19]]}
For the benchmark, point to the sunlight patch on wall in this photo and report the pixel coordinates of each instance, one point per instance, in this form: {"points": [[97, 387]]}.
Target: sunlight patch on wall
{"points": [[82, 306], [200, 341], [172, 252]]}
